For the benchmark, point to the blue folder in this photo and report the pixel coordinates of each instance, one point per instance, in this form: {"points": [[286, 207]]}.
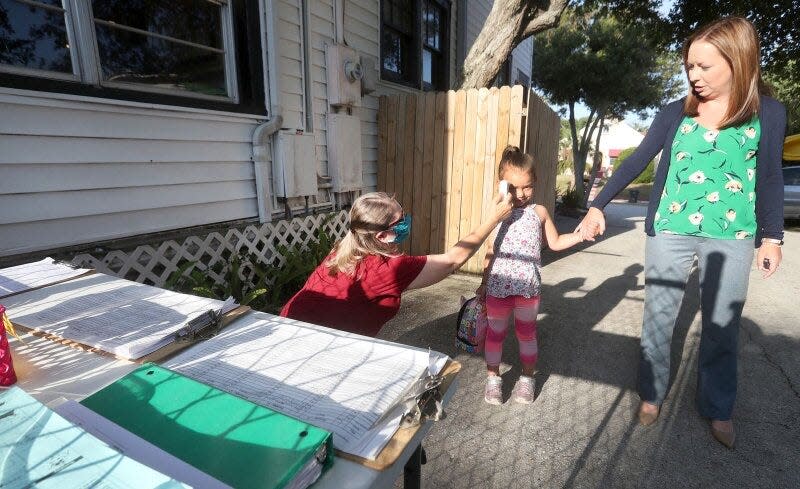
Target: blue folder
{"points": [[39, 448]]}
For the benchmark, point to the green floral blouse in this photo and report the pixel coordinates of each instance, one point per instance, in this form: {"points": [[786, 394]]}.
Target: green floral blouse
{"points": [[710, 187]]}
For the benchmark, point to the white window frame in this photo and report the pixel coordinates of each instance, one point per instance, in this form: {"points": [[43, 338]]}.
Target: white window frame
{"points": [[85, 56]]}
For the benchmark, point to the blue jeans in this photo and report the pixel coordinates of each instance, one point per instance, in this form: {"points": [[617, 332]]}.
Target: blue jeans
{"points": [[724, 267]]}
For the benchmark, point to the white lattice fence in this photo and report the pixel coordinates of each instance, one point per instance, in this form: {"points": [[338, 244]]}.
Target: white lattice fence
{"points": [[153, 264]]}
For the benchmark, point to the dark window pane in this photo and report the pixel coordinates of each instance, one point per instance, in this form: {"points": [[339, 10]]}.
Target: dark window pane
{"points": [[33, 37], [136, 58], [431, 19], [791, 176], [196, 21], [399, 14], [386, 11], [432, 16], [392, 55]]}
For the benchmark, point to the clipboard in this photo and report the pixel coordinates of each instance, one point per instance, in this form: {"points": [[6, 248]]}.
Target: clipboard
{"points": [[391, 452], [156, 356]]}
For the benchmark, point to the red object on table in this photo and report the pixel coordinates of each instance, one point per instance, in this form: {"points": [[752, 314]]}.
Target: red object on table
{"points": [[7, 374]]}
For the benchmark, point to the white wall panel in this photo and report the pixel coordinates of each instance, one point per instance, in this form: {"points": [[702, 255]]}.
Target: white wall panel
{"points": [[79, 170]]}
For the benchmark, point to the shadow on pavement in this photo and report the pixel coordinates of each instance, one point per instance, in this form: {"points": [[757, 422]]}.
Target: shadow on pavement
{"points": [[582, 429]]}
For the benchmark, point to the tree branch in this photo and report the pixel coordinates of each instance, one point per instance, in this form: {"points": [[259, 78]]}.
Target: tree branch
{"points": [[509, 23], [543, 19]]}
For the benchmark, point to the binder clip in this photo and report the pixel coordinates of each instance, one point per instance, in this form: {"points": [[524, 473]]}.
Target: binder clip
{"points": [[202, 327], [424, 402]]}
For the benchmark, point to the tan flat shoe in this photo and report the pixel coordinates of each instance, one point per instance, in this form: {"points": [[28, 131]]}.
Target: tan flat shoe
{"points": [[727, 438], [646, 418]]}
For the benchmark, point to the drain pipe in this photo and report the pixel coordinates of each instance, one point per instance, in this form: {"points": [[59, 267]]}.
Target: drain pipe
{"points": [[338, 26], [263, 152], [261, 159]]}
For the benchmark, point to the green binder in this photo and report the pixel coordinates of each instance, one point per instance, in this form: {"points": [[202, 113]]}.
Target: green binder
{"points": [[234, 440]]}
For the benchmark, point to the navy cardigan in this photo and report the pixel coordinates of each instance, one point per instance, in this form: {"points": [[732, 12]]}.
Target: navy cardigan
{"points": [[769, 176]]}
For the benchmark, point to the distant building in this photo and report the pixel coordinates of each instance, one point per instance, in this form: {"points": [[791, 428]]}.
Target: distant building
{"points": [[617, 136]]}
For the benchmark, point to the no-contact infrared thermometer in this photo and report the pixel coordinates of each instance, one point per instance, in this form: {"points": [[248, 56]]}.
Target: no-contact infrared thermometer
{"points": [[502, 187]]}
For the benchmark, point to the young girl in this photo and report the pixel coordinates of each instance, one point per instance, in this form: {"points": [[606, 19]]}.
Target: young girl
{"points": [[511, 279]]}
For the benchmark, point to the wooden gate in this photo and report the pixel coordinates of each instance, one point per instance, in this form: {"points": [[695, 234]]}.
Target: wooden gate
{"points": [[438, 154]]}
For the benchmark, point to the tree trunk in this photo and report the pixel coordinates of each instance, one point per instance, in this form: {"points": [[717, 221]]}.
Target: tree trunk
{"points": [[509, 23], [596, 161], [580, 147]]}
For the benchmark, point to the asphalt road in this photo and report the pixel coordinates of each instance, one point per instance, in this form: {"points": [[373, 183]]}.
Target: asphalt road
{"points": [[581, 431]]}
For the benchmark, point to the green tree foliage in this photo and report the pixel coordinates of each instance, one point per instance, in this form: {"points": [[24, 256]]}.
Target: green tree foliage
{"points": [[610, 66], [646, 176], [785, 81], [623, 155], [776, 21], [779, 32]]}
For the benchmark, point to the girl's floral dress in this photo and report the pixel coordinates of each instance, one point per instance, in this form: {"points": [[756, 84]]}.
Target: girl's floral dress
{"points": [[517, 256], [710, 186]]}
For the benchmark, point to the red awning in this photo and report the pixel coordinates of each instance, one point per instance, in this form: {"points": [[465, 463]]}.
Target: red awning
{"points": [[613, 153]]}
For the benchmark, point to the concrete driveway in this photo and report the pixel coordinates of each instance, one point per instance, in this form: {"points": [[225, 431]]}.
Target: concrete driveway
{"points": [[582, 429]]}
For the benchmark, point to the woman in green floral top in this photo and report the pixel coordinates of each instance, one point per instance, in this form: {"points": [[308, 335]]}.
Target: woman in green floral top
{"points": [[710, 187], [718, 194]]}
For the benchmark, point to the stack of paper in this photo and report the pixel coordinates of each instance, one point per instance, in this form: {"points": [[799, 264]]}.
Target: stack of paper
{"points": [[118, 316], [344, 383], [34, 275]]}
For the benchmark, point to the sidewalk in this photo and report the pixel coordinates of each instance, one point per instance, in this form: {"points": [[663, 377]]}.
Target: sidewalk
{"points": [[582, 429]]}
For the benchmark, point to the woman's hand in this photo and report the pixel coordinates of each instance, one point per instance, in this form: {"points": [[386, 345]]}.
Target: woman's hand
{"points": [[771, 252], [440, 266], [593, 224], [502, 207]]}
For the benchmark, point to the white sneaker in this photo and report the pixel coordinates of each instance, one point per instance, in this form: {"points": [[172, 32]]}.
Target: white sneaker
{"points": [[493, 394], [524, 390]]}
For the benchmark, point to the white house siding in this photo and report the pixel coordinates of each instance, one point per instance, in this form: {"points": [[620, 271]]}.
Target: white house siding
{"points": [[290, 62], [522, 60], [77, 170], [362, 32]]}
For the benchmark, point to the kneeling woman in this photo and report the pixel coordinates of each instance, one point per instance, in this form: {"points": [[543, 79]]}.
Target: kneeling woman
{"points": [[358, 286]]}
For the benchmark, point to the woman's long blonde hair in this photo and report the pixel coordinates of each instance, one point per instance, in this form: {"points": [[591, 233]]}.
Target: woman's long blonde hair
{"points": [[737, 41], [371, 213]]}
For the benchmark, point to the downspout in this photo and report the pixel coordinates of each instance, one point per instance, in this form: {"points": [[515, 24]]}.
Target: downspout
{"points": [[263, 152], [338, 27]]}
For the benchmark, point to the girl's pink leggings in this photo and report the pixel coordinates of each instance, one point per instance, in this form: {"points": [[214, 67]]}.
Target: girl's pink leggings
{"points": [[498, 310]]}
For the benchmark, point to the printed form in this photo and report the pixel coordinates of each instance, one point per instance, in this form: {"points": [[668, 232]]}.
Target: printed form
{"points": [[36, 274], [341, 382], [118, 316]]}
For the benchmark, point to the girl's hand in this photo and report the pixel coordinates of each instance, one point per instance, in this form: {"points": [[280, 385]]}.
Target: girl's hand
{"points": [[771, 252], [593, 224]]}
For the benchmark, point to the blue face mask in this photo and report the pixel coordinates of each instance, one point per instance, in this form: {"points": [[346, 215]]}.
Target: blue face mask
{"points": [[402, 229]]}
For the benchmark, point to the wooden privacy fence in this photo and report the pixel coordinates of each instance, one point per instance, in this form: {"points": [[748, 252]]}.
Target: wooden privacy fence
{"points": [[438, 154]]}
